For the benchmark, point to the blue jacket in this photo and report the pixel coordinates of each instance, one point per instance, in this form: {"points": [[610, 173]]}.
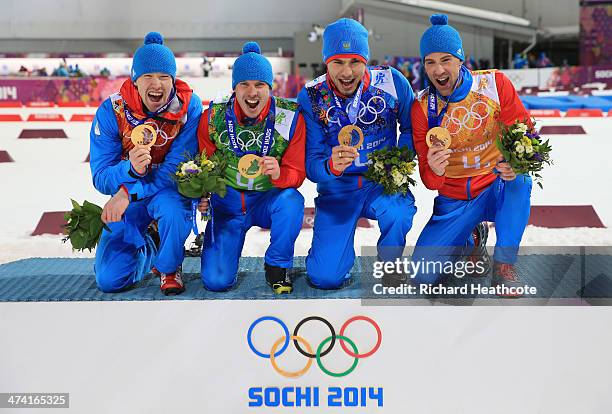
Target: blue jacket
{"points": [[110, 167], [385, 103]]}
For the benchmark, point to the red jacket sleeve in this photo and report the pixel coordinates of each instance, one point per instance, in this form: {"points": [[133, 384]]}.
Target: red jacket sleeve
{"points": [[512, 109], [419, 131], [292, 168], [204, 142]]}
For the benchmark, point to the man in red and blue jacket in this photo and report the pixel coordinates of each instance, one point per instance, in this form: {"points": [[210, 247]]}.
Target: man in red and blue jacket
{"points": [[138, 178], [473, 181]]}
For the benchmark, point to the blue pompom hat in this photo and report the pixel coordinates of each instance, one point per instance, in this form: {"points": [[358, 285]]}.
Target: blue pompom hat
{"points": [[153, 57], [345, 37], [441, 37], [252, 65]]}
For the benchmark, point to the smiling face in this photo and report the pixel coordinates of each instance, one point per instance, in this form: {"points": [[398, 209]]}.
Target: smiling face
{"points": [[443, 70], [252, 96], [154, 89], [346, 73]]}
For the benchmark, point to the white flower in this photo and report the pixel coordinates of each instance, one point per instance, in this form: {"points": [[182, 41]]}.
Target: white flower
{"points": [[529, 149], [398, 178], [190, 167], [378, 166], [522, 128], [519, 148]]}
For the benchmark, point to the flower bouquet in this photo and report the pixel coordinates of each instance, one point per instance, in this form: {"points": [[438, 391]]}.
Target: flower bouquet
{"points": [[392, 168], [525, 151], [84, 226], [201, 176]]}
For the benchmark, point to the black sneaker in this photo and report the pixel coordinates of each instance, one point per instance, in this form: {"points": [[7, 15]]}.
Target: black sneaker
{"points": [[505, 274], [394, 279], [153, 232], [195, 248], [479, 253], [278, 279]]}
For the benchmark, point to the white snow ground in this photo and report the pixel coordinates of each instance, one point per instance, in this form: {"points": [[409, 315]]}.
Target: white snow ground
{"points": [[48, 172]]}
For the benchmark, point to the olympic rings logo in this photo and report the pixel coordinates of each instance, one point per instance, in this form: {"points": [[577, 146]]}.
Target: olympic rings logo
{"points": [[457, 120], [364, 110], [322, 350], [160, 134], [253, 141]]}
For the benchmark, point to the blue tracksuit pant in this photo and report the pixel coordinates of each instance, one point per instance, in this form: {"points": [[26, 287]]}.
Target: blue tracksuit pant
{"points": [[126, 253], [280, 210], [507, 203], [332, 254]]}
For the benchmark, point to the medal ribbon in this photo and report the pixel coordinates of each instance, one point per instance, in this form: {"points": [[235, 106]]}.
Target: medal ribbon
{"points": [[194, 210], [433, 118], [208, 215], [353, 109], [231, 122]]}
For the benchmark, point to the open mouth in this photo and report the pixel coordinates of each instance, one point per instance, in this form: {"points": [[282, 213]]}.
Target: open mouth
{"points": [[252, 103], [443, 81], [346, 83], [155, 97]]}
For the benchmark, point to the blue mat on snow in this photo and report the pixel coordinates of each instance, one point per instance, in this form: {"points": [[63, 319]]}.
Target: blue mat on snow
{"points": [[64, 279], [558, 102], [563, 103], [591, 102]]}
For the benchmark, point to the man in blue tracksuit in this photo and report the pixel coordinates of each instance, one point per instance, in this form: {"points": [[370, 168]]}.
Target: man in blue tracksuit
{"points": [[268, 133], [375, 100], [138, 178], [474, 183]]}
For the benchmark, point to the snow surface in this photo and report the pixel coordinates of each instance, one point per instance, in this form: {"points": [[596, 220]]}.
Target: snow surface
{"points": [[48, 172]]}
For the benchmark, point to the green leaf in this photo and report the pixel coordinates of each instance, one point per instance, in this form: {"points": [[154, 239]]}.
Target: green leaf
{"points": [[77, 240], [75, 205], [92, 208]]}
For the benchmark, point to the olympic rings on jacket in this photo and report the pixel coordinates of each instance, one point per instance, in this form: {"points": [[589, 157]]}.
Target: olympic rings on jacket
{"points": [[161, 134], [455, 118], [365, 109], [253, 140]]}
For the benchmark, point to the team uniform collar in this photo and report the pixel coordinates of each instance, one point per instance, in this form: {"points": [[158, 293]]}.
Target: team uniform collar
{"points": [[463, 88], [132, 100]]}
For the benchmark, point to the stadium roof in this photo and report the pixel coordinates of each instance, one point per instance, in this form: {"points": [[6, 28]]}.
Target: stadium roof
{"points": [[504, 25]]}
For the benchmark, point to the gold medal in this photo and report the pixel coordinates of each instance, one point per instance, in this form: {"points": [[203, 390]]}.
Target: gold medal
{"points": [[438, 136], [345, 136], [248, 166], [144, 135]]}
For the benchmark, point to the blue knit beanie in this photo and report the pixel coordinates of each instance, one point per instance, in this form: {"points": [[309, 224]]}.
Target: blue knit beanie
{"points": [[252, 65], [345, 37], [153, 57], [441, 37]]}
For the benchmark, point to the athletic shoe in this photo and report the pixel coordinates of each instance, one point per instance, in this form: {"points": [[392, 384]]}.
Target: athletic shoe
{"points": [[505, 274], [154, 233], [170, 283], [393, 279], [278, 279], [479, 253], [195, 249]]}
